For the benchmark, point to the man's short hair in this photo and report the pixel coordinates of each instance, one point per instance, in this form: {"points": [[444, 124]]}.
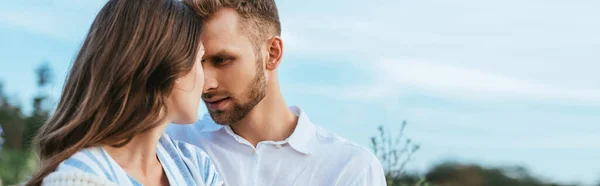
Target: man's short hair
{"points": [[259, 18]]}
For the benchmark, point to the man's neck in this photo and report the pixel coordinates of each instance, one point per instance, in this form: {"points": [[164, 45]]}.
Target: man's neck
{"points": [[269, 120]]}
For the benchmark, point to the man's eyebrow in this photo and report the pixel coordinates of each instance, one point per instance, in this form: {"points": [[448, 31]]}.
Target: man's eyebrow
{"points": [[222, 52]]}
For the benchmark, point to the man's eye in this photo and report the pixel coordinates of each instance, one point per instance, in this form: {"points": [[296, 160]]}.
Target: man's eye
{"points": [[219, 61]]}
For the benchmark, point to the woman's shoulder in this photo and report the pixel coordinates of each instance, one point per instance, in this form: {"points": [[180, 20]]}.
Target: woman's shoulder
{"points": [[92, 161], [198, 159], [75, 178], [187, 150]]}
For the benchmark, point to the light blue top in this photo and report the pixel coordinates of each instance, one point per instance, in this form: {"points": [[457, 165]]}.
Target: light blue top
{"points": [[184, 164]]}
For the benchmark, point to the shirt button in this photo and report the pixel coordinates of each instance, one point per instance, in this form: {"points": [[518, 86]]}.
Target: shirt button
{"points": [[253, 151], [278, 146]]}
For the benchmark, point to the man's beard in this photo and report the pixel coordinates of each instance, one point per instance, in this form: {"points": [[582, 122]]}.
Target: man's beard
{"points": [[254, 92]]}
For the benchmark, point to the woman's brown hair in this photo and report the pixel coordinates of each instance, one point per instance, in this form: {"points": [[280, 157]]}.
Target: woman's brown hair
{"points": [[120, 80]]}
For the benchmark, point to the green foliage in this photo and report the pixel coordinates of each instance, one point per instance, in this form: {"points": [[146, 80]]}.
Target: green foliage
{"points": [[12, 121], [456, 174], [16, 165], [17, 160]]}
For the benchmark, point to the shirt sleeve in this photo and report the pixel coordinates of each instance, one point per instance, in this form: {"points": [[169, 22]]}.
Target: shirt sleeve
{"points": [[371, 175], [211, 176]]}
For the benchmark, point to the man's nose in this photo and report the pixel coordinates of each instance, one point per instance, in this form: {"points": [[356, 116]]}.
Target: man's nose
{"points": [[210, 81]]}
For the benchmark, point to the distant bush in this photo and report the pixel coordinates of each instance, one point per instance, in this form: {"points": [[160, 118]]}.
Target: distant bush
{"points": [[17, 160], [16, 165], [457, 174], [395, 151]]}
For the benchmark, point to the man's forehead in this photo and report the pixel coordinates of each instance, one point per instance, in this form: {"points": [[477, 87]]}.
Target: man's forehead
{"points": [[219, 42], [223, 21], [222, 34]]}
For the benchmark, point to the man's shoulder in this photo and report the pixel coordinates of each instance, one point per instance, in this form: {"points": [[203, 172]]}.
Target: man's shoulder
{"points": [[359, 164], [340, 147]]}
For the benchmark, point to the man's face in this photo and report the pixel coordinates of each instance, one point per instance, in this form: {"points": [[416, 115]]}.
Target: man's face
{"points": [[234, 73]]}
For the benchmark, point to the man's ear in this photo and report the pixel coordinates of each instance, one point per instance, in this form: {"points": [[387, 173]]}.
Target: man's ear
{"points": [[275, 52]]}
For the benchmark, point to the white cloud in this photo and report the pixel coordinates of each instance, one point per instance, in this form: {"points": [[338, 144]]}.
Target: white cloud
{"points": [[527, 46], [558, 142], [459, 82], [534, 142], [60, 19], [365, 92], [34, 23], [394, 78], [467, 49]]}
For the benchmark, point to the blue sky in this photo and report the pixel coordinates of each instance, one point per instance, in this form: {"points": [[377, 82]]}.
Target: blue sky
{"points": [[494, 82]]}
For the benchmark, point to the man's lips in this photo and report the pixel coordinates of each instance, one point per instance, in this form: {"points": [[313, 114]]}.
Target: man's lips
{"points": [[216, 104], [214, 100]]}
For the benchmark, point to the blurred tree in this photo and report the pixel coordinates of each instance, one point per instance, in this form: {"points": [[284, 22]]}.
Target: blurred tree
{"points": [[44, 73], [16, 165], [456, 174], [394, 152], [12, 120], [40, 111], [17, 160], [1, 137]]}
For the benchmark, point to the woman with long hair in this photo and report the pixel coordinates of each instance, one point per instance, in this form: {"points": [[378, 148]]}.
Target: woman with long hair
{"points": [[138, 70]]}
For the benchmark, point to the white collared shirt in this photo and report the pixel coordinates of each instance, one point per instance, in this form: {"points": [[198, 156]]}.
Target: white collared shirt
{"points": [[310, 156]]}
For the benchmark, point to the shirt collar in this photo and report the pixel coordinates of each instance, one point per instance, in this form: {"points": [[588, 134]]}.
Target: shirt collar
{"points": [[301, 139], [304, 133]]}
